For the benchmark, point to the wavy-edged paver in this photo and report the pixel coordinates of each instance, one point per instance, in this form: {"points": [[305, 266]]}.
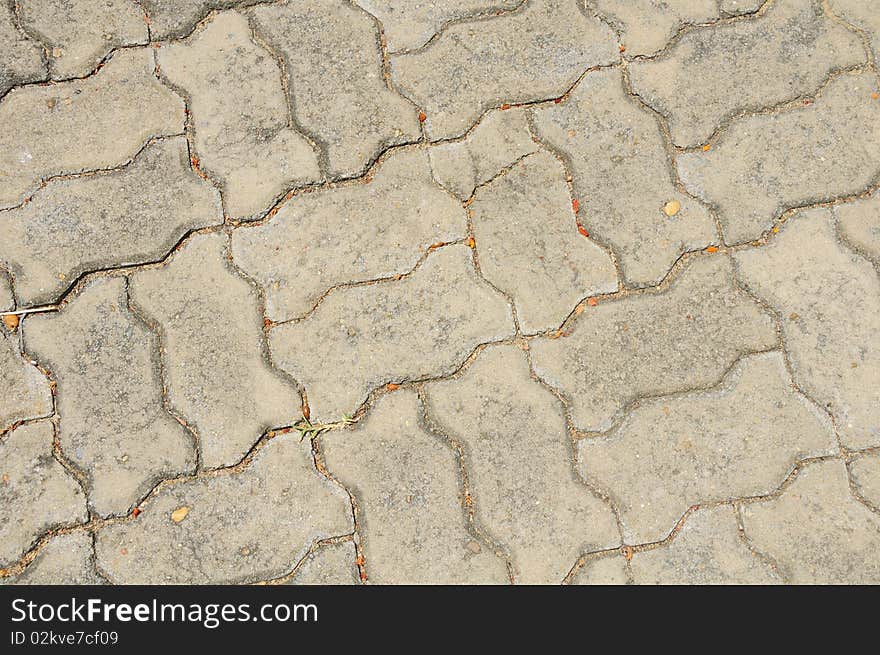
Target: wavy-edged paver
{"points": [[113, 424], [816, 531], [495, 143], [242, 125], [175, 19], [607, 570], [622, 177], [862, 15], [66, 559], [708, 550], [530, 246], [216, 372], [334, 65], [653, 343], [331, 564], [36, 493], [785, 54], [533, 54], [128, 216], [348, 234], [518, 457], [78, 35], [866, 478], [75, 126], [738, 440], [21, 58], [405, 481], [360, 338], [767, 163], [828, 302], [240, 526], [859, 224]]}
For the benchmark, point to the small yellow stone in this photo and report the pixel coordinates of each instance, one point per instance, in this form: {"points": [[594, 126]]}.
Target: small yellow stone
{"points": [[179, 514], [11, 321], [672, 207]]}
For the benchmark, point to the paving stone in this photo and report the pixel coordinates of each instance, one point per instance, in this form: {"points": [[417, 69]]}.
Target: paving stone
{"points": [[78, 35], [859, 223], [128, 216], [216, 372], [243, 134], [654, 343], [348, 234], [740, 439], [113, 425], [24, 390], [816, 530], [170, 19], [828, 303], [333, 564], [410, 24], [75, 126], [360, 338], [608, 570], [244, 526], [405, 480], [518, 456], [36, 493], [530, 246], [334, 64], [622, 177], [646, 26], [497, 142], [767, 163], [7, 301], [707, 551], [866, 478], [781, 56], [533, 54], [66, 559], [862, 15], [21, 58]]}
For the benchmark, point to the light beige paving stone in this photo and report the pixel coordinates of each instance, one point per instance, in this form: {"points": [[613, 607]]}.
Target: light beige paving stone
{"points": [[646, 26], [863, 15], [360, 338], [79, 34], [174, 19], [75, 126], [334, 64], [828, 302], [348, 234], [332, 564], [410, 24], [866, 478], [707, 550], [518, 456], [608, 570], [654, 343], [533, 54], [127, 216], [622, 177], [24, 390], [36, 493], [740, 439], [496, 143], [216, 372], [243, 526], [785, 54], [7, 301], [21, 58], [406, 484], [113, 425], [241, 120], [859, 223], [66, 559], [764, 164], [530, 246], [816, 531]]}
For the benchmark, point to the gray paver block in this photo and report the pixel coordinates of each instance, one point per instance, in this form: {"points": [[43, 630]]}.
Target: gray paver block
{"points": [[65, 559]]}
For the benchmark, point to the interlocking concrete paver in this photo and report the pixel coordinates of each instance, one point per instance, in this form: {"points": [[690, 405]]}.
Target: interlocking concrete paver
{"points": [[171, 19], [533, 54], [241, 120], [216, 372], [816, 531], [859, 224], [66, 559], [361, 338], [866, 478], [36, 492], [622, 179], [608, 570], [653, 343], [330, 564], [767, 163], [21, 57], [828, 302], [862, 15], [113, 424], [406, 484], [232, 529], [334, 64], [132, 215], [349, 234]]}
